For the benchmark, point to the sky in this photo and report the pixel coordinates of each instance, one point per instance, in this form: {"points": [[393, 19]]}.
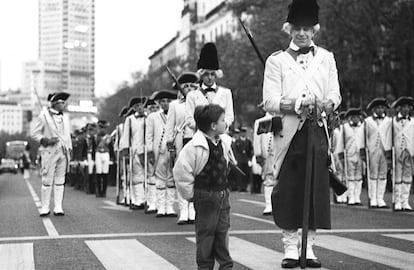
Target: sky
{"points": [[127, 32]]}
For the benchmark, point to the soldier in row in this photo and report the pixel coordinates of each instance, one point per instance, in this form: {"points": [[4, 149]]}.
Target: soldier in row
{"points": [[370, 141]]}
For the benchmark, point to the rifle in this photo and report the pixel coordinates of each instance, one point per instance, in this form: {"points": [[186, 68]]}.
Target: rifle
{"points": [[393, 162], [131, 156], [174, 79], [345, 154], [310, 173], [118, 161], [367, 158], [249, 35]]}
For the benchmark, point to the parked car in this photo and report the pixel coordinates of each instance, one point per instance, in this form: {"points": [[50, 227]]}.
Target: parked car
{"points": [[8, 165]]}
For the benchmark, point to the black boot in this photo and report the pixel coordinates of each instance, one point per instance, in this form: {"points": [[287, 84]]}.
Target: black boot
{"points": [[98, 184], [104, 185]]}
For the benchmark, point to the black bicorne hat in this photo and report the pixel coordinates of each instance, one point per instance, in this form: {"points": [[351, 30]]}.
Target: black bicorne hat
{"points": [[403, 101], [59, 96], [208, 57], [303, 13], [103, 124], [123, 111], [377, 102], [157, 95], [136, 100], [353, 111]]}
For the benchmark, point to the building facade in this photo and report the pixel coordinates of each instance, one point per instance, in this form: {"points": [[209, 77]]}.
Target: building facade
{"points": [[66, 49], [11, 117], [202, 21]]}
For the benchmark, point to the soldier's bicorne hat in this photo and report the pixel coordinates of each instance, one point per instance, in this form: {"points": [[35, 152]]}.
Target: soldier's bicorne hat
{"points": [[91, 126], [49, 96], [243, 129], [149, 102], [341, 115], [63, 96], [209, 60], [401, 101], [187, 77], [137, 100], [236, 130], [352, 112], [130, 111], [303, 13], [161, 94], [123, 111], [103, 124], [377, 102]]}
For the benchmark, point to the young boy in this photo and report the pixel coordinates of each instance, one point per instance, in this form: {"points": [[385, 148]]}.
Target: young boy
{"points": [[201, 170]]}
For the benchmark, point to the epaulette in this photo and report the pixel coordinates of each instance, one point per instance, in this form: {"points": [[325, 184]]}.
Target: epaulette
{"points": [[277, 52]]}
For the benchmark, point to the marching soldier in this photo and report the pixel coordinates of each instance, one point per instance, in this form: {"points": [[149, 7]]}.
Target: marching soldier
{"points": [[294, 80], [337, 147], [209, 92], [404, 152], [352, 151], [102, 158], [119, 160], [158, 156], [133, 139], [178, 134], [52, 131], [90, 155], [263, 151], [378, 145]]}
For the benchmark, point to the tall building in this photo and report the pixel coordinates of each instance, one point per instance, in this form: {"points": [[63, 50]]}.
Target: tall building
{"points": [[11, 117], [202, 21], [66, 48]]}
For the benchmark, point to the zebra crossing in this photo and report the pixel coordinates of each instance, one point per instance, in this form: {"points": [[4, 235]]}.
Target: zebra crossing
{"points": [[131, 254]]}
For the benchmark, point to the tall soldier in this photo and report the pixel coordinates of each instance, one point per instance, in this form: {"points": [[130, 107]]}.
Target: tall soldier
{"points": [[378, 144], [353, 151], [263, 150], [52, 131], [158, 155], [178, 134], [133, 139], [102, 158], [404, 152], [294, 80], [90, 141], [209, 92]]}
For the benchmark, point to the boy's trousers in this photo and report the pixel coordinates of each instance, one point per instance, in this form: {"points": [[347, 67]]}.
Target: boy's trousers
{"points": [[212, 225]]}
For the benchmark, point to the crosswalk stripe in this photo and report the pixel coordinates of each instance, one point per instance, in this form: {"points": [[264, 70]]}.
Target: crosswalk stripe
{"points": [[127, 254], [253, 218], [408, 237], [252, 255], [17, 256], [371, 252]]}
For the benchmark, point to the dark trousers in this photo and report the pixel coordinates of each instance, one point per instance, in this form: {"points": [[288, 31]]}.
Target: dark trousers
{"points": [[212, 225], [242, 182], [257, 183]]}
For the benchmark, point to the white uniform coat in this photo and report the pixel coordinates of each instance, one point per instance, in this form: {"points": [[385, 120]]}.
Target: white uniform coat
{"points": [[284, 78], [135, 126], [192, 160], [176, 129], [155, 133], [222, 97], [378, 133], [404, 136]]}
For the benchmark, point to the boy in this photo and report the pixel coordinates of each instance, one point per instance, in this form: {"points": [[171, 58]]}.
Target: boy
{"points": [[201, 170]]}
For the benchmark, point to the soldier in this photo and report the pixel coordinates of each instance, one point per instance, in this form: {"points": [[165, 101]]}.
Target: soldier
{"points": [[132, 144], [178, 134], [294, 80], [404, 152], [75, 167], [158, 156], [263, 151], [243, 150], [378, 145], [52, 131], [118, 134], [352, 152], [337, 147], [91, 129], [102, 158], [209, 92]]}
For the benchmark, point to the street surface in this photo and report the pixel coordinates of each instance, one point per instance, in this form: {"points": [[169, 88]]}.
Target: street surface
{"points": [[95, 233]]}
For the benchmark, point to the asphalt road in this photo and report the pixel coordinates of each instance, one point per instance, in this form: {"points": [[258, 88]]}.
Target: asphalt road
{"points": [[95, 233]]}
